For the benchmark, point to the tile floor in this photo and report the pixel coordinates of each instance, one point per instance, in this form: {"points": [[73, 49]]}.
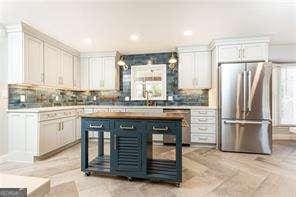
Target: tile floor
{"points": [[206, 172]]}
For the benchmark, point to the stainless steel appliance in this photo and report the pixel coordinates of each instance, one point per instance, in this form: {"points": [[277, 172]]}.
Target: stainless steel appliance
{"points": [[245, 107], [169, 139]]}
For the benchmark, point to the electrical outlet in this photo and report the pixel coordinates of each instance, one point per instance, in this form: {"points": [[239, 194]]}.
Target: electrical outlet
{"points": [[94, 98], [127, 98], [56, 98], [23, 98], [170, 98]]}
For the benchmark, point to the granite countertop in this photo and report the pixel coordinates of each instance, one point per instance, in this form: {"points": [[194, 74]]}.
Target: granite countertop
{"points": [[48, 109], [134, 115]]}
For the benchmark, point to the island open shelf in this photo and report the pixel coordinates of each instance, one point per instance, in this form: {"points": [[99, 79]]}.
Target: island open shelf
{"points": [[132, 152]]}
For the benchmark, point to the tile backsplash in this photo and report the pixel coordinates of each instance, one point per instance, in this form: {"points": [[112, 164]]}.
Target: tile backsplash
{"points": [[25, 96]]}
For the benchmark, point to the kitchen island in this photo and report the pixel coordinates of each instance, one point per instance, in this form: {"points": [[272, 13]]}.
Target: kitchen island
{"points": [[131, 145]]}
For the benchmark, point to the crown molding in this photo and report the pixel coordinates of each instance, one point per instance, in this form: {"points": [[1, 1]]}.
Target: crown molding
{"points": [[239, 40], [193, 48], [23, 27], [99, 54]]}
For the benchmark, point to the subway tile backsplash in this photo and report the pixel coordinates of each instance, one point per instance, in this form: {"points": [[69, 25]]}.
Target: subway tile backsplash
{"points": [[48, 97]]}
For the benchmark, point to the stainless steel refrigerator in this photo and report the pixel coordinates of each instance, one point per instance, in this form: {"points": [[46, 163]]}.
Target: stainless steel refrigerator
{"points": [[245, 107]]}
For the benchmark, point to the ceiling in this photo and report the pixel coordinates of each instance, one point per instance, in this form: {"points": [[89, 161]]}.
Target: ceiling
{"points": [[108, 25]]}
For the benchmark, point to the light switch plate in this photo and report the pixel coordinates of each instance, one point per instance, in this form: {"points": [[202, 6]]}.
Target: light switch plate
{"points": [[56, 98], [94, 98], [170, 98], [23, 98], [127, 98]]}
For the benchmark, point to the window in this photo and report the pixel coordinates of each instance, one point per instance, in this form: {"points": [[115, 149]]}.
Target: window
{"points": [[148, 82], [286, 94]]}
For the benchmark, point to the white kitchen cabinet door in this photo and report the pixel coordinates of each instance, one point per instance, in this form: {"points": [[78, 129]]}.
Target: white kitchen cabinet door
{"points": [[229, 53], [68, 130], [96, 78], [76, 70], [186, 71], [84, 70], [66, 70], [33, 60], [52, 62], [49, 136], [110, 72], [255, 51], [203, 70]]}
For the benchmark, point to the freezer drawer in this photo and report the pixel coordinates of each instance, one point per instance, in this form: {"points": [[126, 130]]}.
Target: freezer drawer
{"points": [[246, 136]]}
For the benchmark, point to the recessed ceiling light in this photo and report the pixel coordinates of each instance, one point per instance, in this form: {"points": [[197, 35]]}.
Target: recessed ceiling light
{"points": [[87, 41], [188, 33], [134, 37]]}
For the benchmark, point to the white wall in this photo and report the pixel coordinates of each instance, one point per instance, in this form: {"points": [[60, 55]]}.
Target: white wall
{"points": [[3, 94], [286, 52]]}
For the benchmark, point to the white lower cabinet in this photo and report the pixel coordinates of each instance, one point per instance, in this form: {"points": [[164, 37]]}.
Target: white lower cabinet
{"points": [[67, 130], [35, 134], [49, 136], [203, 126]]}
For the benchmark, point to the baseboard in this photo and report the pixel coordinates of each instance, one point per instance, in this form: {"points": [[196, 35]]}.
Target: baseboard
{"points": [[3, 158]]}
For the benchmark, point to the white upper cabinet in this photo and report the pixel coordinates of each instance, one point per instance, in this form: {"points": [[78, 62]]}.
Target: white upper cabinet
{"points": [[257, 51], [194, 71], [110, 72], [96, 73], [33, 60], [84, 73], [66, 70], [52, 64], [99, 71], [76, 73], [242, 49], [203, 70], [186, 71], [230, 53]]}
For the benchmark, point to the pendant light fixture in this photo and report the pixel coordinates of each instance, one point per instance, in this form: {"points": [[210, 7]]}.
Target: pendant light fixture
{"points": [[122, 63], [172, 61]]}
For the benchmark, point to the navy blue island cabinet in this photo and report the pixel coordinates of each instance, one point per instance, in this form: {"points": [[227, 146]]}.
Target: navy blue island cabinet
{"points": [[131, 145]]}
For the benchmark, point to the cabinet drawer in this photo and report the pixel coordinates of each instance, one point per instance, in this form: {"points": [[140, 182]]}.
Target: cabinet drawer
{"points": [[162, 127], [200, 112], [129, 125], [203, 128], [96, 125], [203, 120], [203, 138]]}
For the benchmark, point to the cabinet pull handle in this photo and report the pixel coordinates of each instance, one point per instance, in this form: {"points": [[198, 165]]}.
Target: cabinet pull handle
{"points": [[202, 128], [115, 142], [59, 128], [239, 53], [202, 112], [127, 128], [95, 126], [160, 129], [202, 119], [243, 53], [202, 138], [62, 123]]}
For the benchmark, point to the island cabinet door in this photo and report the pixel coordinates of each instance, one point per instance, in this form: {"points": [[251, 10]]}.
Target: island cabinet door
{"points": [[126, 149]]}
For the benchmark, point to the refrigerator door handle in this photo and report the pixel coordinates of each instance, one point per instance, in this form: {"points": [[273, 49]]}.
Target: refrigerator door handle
{"points": [[245, 122], [249, 90], [245, 91]]}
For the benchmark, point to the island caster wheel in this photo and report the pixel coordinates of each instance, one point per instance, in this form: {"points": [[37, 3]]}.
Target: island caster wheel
{"points": [[86, 173], [130, 179], [178, 184]]}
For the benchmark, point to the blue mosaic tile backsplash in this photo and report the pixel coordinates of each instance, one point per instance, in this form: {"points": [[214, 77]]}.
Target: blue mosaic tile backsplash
{"points": [[48, 97]]}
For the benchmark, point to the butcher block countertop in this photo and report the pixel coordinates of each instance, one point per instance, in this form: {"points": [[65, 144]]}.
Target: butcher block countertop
{"points": [[134, 115]]}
